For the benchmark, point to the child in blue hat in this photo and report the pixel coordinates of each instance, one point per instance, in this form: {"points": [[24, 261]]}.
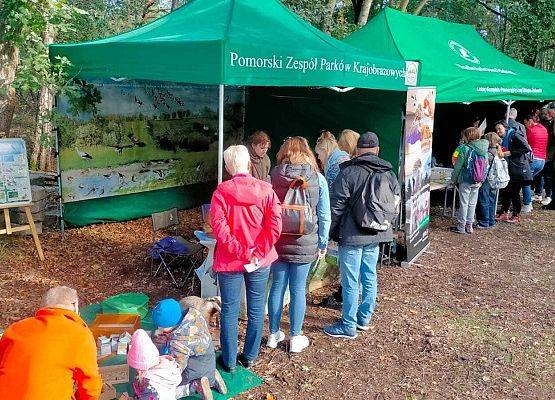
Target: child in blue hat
{"points": [[187, 338]]}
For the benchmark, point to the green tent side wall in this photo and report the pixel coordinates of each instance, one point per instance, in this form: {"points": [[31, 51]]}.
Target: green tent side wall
{"points": [[304, 112], [454, 58], [132, 206]]}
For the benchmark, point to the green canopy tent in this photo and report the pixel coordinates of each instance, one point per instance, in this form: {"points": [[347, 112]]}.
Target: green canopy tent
{"points": [[233, 42], [454, 58]]}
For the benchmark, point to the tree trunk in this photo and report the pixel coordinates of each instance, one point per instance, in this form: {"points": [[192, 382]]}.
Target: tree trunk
{"points": [[420, 6], [43, 140], [404, 5], [9, 60], [364, 12], [328, 16]]}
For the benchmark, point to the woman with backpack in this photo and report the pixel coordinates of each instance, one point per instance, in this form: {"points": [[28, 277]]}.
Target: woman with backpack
{"points": [[304, 195], [518, 158], [487, 195], [469, 161]]}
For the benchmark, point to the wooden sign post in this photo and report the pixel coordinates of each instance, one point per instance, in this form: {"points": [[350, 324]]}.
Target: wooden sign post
{"points": [[30, 226]]}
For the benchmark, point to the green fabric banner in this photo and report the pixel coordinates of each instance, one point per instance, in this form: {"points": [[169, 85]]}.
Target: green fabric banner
{"points": [[233, 42], [132, 206], [454, 58]]}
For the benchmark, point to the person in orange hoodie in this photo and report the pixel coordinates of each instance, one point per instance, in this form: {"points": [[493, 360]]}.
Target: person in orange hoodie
{"points": [[51, 356]]}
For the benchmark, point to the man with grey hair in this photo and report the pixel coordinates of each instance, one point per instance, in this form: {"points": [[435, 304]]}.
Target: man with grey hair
{"points": [[51, 355], [512, 123], [364, 204]]}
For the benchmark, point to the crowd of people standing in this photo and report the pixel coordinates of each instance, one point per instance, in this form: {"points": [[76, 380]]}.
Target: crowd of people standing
{"points": [[262, 227], [510, 164]]}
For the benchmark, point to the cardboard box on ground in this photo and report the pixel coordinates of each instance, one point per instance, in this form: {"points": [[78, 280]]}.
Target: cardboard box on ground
{"points": [[109, 393]]}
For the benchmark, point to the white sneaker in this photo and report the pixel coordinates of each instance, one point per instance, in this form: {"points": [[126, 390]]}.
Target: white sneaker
{"points": [[298, 343], [527, 208], [546, 201], [536, 197], [274, 339]]}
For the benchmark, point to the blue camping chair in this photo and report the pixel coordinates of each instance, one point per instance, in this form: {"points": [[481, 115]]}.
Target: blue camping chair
{"points": [[173, 254]]}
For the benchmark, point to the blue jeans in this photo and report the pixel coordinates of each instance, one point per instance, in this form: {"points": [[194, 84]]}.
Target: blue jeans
{"points": [[284, 273], [357, 265], [230, 287], [536, 166], [486, 205]]}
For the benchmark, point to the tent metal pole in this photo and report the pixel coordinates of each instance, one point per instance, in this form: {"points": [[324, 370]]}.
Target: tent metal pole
{"points": [[221, 135], [509, 103]]}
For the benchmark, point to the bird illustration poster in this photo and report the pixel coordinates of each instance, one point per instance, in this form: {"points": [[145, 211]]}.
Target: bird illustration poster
{"points": [[15, 186], [121, 136]]}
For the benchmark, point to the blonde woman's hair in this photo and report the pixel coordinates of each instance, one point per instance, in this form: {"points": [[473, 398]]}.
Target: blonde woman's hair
{"points": [[326, 143], [493, 139], [295, 150], [237, 159], [470, 134], [348, 141]]}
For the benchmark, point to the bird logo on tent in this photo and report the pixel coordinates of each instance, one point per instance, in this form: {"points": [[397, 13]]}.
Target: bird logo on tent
{"points": [[463, 52]]}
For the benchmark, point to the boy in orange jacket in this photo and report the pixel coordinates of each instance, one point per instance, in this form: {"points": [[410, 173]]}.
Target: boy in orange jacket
{"points": [[42, 357]]}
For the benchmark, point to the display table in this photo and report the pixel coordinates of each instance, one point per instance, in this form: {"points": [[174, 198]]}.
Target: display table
{"points": [[445, 186]]}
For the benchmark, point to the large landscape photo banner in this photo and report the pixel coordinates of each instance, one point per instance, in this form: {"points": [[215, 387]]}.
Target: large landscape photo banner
{"points": [[419, 127], [120, 136]]}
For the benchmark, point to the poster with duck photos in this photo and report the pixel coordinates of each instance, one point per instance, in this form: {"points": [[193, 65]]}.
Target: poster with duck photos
{"points": [[122, 136], [419, 127], [15, 185]]}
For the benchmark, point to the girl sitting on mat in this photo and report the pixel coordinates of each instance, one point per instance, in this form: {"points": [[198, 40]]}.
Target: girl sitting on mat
{"points": [[157, 376]]}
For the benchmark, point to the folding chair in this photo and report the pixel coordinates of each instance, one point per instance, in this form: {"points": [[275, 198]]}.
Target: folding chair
{"points": [[172, 253]]}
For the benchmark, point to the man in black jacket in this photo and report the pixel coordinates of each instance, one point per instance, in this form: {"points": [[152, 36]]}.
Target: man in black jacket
{"points": [[358, 246]]}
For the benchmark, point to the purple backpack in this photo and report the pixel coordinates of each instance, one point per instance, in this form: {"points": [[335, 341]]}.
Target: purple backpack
{"points": [[475, 167]]}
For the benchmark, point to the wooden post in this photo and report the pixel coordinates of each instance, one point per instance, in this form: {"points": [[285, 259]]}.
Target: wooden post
{"points": [[30, 225]]}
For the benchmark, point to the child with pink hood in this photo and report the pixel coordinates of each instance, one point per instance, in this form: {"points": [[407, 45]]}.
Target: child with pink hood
{"points": [[157, 376]]}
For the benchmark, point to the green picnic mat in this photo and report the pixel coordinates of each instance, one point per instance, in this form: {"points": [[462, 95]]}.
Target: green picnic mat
{"points": [[238, 382]]}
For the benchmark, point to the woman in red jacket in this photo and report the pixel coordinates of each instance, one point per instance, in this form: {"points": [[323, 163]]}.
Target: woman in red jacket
{"points": [[245, 215], [537, 137]]}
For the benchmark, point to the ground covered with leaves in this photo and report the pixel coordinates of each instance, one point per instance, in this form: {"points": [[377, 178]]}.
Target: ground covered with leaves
{"points": [[475, 320]]}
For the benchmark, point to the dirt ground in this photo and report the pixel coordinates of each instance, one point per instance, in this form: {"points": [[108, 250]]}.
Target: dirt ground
{"points": [[475, 320]]}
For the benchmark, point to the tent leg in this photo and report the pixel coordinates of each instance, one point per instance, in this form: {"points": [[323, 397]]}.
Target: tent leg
{"points": [[509, 103], [59, 175], [221, 135]]}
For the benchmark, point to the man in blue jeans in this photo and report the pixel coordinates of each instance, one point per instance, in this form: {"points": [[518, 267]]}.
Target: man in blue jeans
{"points": [[359, 246]]}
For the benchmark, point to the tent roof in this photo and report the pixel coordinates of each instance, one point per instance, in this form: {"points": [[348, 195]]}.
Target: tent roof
{"points": [[235, 42], [454, 58]]}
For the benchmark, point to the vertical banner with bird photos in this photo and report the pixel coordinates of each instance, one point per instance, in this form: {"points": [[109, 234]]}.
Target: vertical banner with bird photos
{"points": [[119, 136], [419, 127]]}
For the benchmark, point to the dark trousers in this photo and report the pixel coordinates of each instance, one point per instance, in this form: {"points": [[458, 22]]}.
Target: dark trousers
{"points": [[199, 366], [511, 195]]}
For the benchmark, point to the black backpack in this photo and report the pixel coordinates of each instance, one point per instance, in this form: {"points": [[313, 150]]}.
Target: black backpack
{"points": [[297, 215], [375, 207]]}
